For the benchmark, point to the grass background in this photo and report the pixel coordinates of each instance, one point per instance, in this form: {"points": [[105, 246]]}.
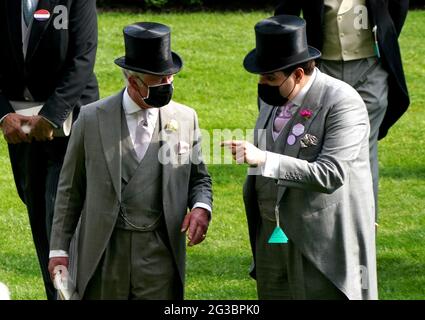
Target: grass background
{"points": [[214, 82]]}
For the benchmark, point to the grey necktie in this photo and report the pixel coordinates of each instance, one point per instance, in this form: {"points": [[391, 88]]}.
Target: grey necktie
{"points": [[142, 139], [28, 8]]}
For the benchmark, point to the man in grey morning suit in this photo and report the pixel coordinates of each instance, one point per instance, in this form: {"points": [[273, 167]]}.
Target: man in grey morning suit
{"points": [[310, 174], [359, 42], [132, 169]]}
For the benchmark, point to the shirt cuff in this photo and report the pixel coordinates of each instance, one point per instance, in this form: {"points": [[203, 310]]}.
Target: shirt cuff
{"points": [[53, 124], [1, 120], [271, 167], [58, 253], [203, 206]]}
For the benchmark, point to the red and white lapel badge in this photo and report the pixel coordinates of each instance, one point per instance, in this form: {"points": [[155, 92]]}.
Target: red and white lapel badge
{"points": [[42, 15]]}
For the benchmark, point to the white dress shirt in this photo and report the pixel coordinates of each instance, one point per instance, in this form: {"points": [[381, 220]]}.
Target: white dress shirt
{"points": [[134, 114]]}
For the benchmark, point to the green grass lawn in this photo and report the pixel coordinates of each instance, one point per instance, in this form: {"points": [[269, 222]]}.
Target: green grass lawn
{"points": [[214, 82]]}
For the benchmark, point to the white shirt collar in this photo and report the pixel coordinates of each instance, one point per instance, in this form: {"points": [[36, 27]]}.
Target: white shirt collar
{"points": [[129, 105], [299, 98], [132, 108]]}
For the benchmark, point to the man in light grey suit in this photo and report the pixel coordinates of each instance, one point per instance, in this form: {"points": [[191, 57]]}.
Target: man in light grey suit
{"points": [[132, 169], [308, 197]]}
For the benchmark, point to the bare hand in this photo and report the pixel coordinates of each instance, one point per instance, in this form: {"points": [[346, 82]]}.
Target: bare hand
{"points": [[196, 222], [12, 128], [58, 261], [245, 152], [41, 129]]}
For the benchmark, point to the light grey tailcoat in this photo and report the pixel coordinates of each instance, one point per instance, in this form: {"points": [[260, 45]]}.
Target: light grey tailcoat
{"points": [[325, 195], [90, 181]]}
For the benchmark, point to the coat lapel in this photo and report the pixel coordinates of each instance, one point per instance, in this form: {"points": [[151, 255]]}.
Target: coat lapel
{"points": [[14, 22], [109, 116], [171, 137], [265, 113], [39, 27], [373, 7], [312, 102]]}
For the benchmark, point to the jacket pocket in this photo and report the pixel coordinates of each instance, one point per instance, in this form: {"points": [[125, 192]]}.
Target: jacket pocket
{"points": [[319, 201]]}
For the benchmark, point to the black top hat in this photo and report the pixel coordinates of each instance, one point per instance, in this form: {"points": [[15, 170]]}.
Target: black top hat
{"points": [[148, 50], [281, 42]]}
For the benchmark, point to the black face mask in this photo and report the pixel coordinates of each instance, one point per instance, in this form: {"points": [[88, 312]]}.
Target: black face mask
{"points": [[159, 95], [271, 94]]}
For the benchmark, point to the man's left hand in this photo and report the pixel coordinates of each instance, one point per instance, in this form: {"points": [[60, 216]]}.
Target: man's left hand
{"points": [[41, 129], [196, 222], [245, 152]]}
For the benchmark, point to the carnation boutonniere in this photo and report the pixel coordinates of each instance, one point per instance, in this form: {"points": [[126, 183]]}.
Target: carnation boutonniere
{"points": [[171, 126], [306, 113]]}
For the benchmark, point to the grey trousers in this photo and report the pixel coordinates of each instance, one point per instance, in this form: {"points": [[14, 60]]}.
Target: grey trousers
{"points": [[373, 88], [135, 266], [284, 273]]}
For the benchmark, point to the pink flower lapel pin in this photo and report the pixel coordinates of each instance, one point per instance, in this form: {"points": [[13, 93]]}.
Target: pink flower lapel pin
{"points": [[306, 113]]}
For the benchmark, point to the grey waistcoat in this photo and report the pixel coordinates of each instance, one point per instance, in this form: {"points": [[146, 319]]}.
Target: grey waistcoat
{"points": [[141, 191], [265, 187]]}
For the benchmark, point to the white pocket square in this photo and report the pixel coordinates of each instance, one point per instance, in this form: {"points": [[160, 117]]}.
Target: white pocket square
{"points": [[183, 147]]}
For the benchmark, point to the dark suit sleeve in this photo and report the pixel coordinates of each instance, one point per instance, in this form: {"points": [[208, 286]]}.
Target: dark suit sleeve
{"points": [[5, 106], [289, 7], [398, 11], [80, 61], [200, 185], [312, 11]]}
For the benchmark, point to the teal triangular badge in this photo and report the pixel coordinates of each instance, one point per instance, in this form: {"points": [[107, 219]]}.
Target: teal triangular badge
{"points": [[278, 236]]}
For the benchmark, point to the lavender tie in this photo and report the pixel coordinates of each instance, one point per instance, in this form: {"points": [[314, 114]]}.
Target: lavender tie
{"points": [[283, 115], [142, 139]]}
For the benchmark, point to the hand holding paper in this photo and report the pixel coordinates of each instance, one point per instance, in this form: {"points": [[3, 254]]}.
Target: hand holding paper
{"points": [[12, 128], [61, 283], [41, 129], [55, 262]]}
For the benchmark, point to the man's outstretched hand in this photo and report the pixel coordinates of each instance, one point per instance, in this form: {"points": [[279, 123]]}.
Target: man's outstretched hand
{"points": [[245, 152]]}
